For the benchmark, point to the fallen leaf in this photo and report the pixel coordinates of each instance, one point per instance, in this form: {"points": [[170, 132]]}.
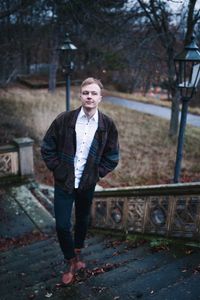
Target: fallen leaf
{"points": [[197, 270], [96, 271], [48, 295], [190, 251]]}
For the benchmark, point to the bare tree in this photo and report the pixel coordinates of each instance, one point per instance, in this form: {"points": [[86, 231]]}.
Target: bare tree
{"points": [[128, 43], [159, 15]]}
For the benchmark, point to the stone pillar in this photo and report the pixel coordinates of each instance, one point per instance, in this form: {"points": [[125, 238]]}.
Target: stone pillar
{"points": [[25, 149]]}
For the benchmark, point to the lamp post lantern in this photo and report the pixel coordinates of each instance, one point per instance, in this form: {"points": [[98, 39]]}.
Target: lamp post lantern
{"points": [[187, 65], [67, 50]]}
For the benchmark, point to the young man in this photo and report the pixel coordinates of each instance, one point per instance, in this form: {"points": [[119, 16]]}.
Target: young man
{"points": [[80, 147]]}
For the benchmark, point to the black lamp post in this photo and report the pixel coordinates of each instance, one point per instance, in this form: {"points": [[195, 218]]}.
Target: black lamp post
{"points": [[187, 65], [67, 50]]}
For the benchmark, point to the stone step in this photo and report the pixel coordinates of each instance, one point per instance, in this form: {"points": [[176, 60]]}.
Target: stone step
{"points": [[14, 221], [44, 200], [38, 263], [129, 255], [41, 271], [187, 289], [37, 213], [131, 270], [115, 257], [95, 251], [47, 190], [16, 259], [24, 262], [8, 256], [122, 287], [44, 275], [25, 266], [34, 272], [140, 283]]}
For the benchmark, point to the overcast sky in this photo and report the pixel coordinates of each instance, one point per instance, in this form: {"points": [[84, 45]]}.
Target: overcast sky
{"points": [[177, 4]]}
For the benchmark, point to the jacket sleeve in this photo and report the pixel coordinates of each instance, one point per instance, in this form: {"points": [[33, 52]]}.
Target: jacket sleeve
{"points": [[110, 157], [49, 147]]}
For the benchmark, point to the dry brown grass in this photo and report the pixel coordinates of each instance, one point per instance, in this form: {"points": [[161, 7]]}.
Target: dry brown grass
{"points": [[147, 153], [36, 108]]}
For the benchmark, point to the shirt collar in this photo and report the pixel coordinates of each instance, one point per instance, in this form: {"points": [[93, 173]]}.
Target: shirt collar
{"points": [[83, 115]]}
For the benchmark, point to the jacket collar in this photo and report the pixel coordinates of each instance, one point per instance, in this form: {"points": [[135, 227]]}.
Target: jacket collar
{"points": [[74, 114], [101, 123]]}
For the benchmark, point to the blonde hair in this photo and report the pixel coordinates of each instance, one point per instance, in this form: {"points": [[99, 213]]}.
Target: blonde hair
{"points": [[91, 80]]}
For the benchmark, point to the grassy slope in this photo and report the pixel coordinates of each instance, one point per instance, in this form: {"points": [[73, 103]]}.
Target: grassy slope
{"points": [[147, 153]]}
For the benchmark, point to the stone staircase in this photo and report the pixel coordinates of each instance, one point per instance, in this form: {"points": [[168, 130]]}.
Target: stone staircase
{"points": [[116, 268]]}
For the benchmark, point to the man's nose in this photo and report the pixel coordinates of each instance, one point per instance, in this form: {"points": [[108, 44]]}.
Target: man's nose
{"points": [[89, 95]]}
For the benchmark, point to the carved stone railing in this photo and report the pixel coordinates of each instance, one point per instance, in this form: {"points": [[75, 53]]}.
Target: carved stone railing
{"points": [[171, 210], [17, 158]]}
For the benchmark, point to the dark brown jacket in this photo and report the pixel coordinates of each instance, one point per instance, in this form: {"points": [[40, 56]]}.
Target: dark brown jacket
{"points": [[59, 148]]}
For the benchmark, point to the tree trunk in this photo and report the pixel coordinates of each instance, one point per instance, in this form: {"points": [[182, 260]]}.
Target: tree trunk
{"points": [[53, 65], [174, 120], [52, 71], [190, 22]]}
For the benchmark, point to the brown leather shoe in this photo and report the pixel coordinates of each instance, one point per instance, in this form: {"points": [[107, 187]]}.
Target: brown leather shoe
{"points": [[79, 263], [68, 277]]}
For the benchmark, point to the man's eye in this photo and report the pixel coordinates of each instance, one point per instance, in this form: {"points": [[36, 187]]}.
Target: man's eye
{"points": [[92, 93]]}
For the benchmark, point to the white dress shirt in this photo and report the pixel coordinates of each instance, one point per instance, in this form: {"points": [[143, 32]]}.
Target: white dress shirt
{"points": [[85, 131]]}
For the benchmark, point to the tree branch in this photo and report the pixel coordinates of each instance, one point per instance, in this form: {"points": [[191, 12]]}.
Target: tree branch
{"points": [[190, 21], [18, 7]]}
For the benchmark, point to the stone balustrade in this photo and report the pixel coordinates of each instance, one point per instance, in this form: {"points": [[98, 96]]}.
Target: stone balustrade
{"points": [[17, 158], [171, 210]]}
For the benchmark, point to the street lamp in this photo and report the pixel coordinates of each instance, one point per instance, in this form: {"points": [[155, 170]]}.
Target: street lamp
{"points": [[187, 65], [67, 50]]}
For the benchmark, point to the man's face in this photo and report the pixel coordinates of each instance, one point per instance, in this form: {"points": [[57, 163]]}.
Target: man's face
{"points": [[90, 96]]}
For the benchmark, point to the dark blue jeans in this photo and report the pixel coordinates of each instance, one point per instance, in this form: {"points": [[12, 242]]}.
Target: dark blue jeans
{"points": [[63, 203]]}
